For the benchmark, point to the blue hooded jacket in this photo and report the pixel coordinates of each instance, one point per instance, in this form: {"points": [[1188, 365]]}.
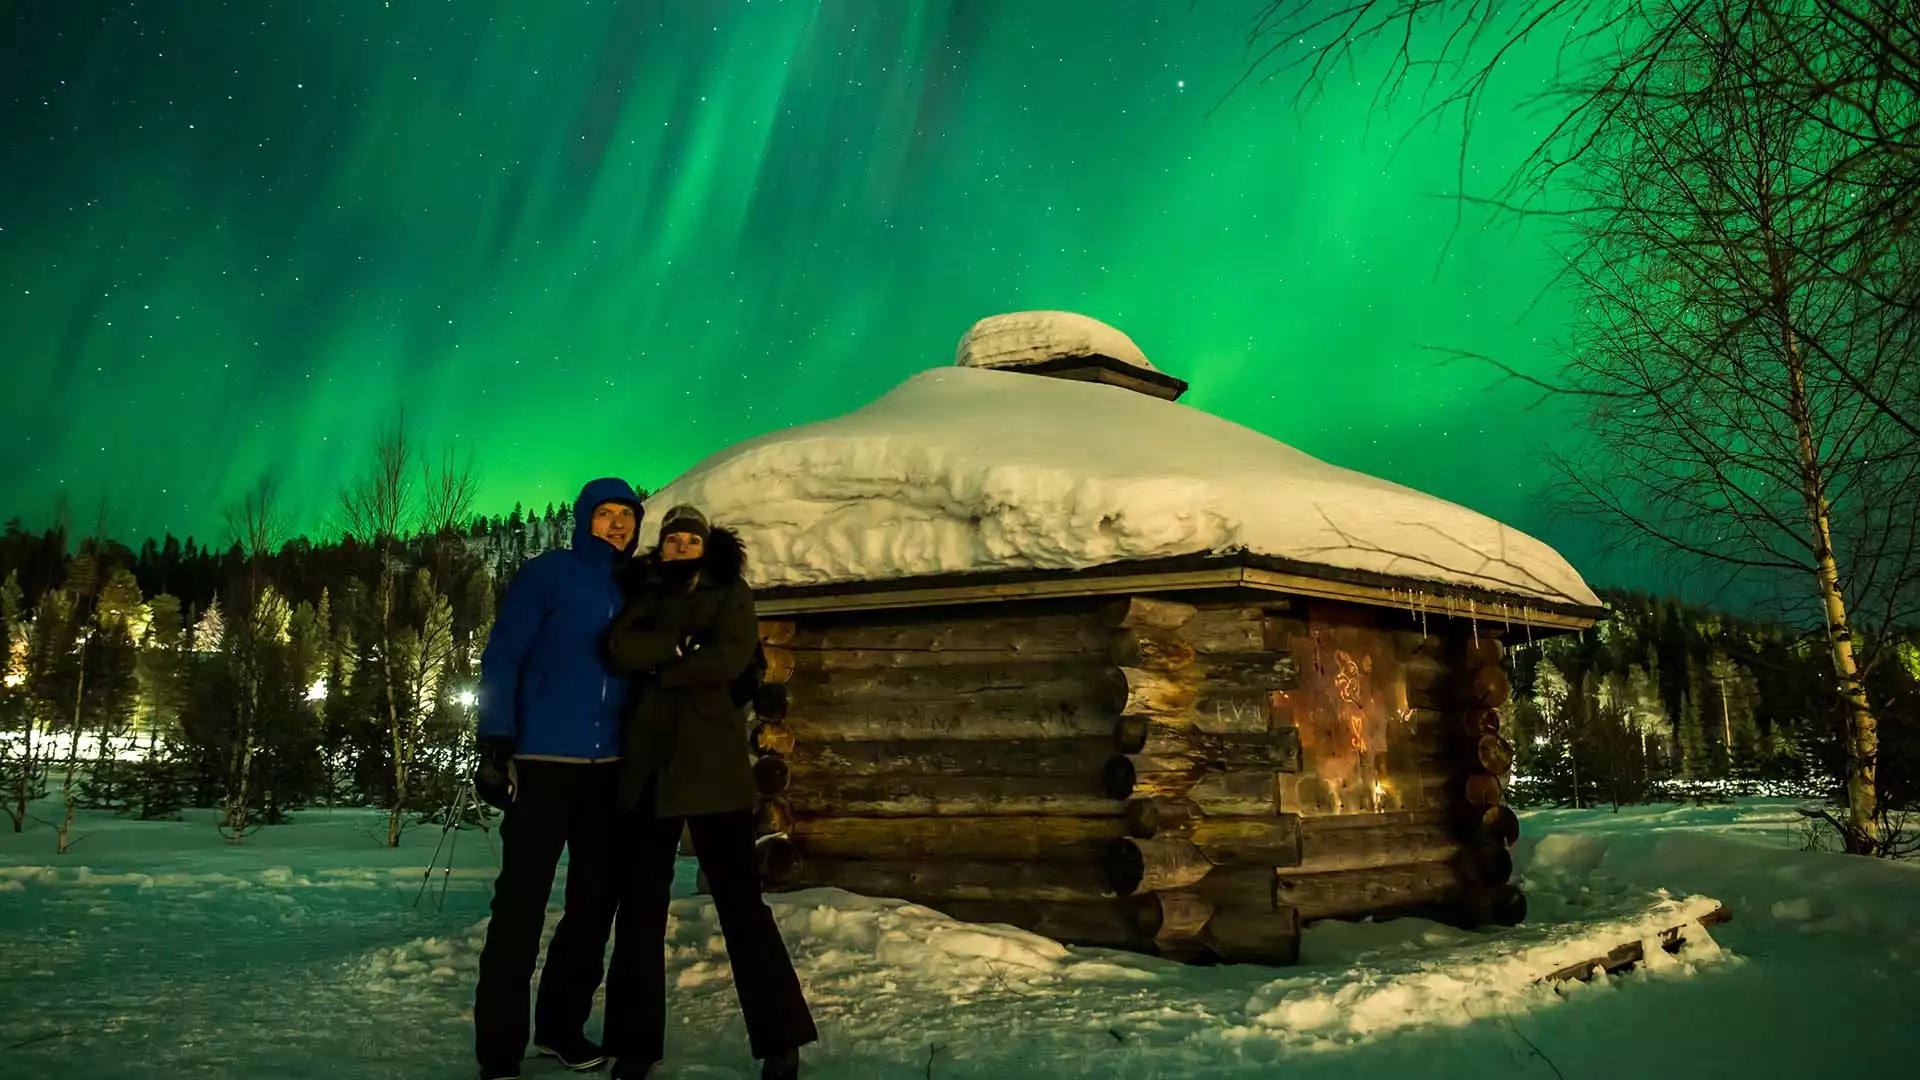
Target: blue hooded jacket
{"points": [[545, 687]]}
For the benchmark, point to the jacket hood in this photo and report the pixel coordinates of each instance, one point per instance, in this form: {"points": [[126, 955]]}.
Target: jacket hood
{"points": [[726, 557], [723, 562], [604, 490]]}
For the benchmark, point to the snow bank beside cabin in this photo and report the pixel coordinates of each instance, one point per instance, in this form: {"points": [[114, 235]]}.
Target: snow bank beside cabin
{"points": [[964, 469]]}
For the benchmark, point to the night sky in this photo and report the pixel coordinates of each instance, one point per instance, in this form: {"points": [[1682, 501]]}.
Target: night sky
{"points": [[592, 237]]}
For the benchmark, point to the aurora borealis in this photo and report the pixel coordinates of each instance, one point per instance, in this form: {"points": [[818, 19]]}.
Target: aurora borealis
{"points": [[594, 236]]}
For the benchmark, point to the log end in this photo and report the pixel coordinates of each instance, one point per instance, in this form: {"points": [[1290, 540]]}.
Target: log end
{"points": [[1486, 864], [770, 701], [1117, 777], [1130, 734], [770, 737], [779, 860], [771, 775], [1126, 867], [1501, 905], [1270, 938], [772, 817], [1147, 818], [1136, 866]]}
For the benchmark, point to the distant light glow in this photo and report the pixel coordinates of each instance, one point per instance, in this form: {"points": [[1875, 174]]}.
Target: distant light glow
{"points": [[14, 679], [1540, 740], [466, 698], [318, 691]]}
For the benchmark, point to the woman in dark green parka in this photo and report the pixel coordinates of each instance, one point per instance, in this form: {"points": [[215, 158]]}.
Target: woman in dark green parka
{"points": [[687, 631]]}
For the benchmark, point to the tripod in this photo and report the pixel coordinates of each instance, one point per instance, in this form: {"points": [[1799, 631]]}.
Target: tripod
{"points": [[465, 797]]}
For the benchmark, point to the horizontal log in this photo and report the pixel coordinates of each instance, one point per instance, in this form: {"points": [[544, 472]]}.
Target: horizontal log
{"points": [[1168, 817], [1237, 793], [770, 701], [1281, 634], [1127, 776], [1272, 749], [772, 816], [772, 738], [1326, 847], [1255, 937], [1228, 794], [1175, 917], [997, 715], [1145, 611], [1355, 893], [779, 860], [780, 664], [830, 795], [961, 639], [777, 631], [1150, 650], [771, 776], [1060, 839], [1109, 925], [1268, 841], [1424, 672], [1136, 690], [1225, 630], [951, 757], [1048, 682], [955, 879], [1136, 866]]}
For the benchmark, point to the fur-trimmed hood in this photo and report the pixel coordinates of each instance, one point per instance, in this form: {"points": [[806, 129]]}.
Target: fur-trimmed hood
{"points": [[725, 560], [723, 563]]}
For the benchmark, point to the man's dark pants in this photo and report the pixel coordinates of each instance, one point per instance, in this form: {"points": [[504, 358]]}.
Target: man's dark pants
{"points": [[771, 1001], [556, 806]]}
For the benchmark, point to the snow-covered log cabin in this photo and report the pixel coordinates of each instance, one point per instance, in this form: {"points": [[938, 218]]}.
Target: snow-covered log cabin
{"points": [[1047, 648]]}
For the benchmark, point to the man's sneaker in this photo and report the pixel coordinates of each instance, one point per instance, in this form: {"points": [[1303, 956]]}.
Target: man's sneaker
{"points": [[578, 1054], [784, 1065], [500, 1070]]}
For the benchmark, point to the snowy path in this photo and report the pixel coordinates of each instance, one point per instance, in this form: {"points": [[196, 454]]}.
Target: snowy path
{"points": [[154, 950]]}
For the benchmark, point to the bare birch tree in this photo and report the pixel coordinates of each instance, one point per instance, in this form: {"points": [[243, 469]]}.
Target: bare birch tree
{"points": [[1749, 272], [254, 523], [376, 510], [1738, 355], [16, 708]]}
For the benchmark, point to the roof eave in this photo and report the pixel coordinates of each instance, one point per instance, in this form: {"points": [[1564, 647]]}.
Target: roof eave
{"points": [[1186, 573]]}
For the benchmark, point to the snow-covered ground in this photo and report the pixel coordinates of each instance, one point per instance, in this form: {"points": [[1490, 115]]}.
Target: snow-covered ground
{"points": [[155, 950]]}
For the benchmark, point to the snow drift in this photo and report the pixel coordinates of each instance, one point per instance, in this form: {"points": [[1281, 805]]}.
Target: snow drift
{"points": [[967, 468]]}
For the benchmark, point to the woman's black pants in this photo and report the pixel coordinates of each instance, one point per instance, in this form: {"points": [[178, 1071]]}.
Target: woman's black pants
{"points": [[771, 1001]]}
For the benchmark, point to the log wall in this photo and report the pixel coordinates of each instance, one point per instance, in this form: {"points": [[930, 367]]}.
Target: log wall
{"points": [[1190, 781]]}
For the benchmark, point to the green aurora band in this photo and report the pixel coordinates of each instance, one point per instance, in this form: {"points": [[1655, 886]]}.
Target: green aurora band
{"points": [[615, 237]]}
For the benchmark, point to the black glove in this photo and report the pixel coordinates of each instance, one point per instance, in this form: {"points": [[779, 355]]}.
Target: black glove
{"points": [[493, 778]]}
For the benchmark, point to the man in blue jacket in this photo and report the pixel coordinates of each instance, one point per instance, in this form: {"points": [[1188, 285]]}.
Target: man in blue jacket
{"points": [[550, 737]]}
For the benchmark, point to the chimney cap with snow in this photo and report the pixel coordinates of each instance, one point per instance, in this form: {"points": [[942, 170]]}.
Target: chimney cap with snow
{"points": [[1064, 345]]}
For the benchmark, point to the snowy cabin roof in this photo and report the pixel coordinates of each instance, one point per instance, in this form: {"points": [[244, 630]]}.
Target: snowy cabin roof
{"points": [[1064, 345], [974, 471]]}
